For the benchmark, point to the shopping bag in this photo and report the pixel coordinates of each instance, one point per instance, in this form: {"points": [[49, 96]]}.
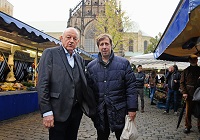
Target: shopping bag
{"points": [[196, 109], [196, 96], [130, 131]]}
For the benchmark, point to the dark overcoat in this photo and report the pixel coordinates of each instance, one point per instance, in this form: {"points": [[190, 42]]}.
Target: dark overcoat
{"points": [[56, 89]]}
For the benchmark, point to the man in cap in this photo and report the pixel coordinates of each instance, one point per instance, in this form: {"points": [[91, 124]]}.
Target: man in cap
{"points": [[189, 81]]}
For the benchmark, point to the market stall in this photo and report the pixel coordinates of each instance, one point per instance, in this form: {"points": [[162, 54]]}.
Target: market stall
{"points": [[20, 48], [181, 36], [15, 103], [148, 61]]}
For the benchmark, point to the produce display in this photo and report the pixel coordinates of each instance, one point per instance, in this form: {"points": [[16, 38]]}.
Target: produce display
{"points": [[9, 86], [161, 93]]}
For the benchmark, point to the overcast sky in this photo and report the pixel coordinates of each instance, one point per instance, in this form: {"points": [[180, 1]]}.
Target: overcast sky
{"points": [[152, 16]]}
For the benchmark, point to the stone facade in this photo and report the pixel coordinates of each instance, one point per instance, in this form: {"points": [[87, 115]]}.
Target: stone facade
{"points": [[6, 7], [136, 42], [55, 34], [83, 18]]}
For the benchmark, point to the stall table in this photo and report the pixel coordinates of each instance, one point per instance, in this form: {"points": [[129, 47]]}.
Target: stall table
{"points": [[15, 103]]}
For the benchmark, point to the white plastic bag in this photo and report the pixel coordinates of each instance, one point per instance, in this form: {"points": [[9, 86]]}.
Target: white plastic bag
{"points": [[130, 131]]}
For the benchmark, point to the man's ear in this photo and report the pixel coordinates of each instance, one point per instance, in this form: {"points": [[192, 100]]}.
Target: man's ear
{"points": [[78, 41], [60, 38]]}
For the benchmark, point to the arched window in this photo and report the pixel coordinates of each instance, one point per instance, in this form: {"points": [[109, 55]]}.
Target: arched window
{"points": [[130, 45], [145, 45], [89, 42]]}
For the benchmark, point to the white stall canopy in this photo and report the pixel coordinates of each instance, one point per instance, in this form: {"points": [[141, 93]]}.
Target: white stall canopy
{"points": [[148, 61]]}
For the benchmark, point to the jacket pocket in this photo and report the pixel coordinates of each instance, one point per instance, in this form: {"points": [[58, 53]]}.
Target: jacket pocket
{"points": [[120, 105], [55, 94], [119, 113]]}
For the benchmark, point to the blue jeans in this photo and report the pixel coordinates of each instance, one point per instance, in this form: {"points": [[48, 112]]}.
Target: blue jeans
{"points": [[171, 93], [152, 92]]}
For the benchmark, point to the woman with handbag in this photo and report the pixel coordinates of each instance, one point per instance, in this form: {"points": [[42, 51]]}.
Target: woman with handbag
{"points": [[153, 80]]}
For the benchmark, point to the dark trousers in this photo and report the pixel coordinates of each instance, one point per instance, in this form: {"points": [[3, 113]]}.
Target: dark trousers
{"points": [[188, 113], [140, 92], [103, 135], [67, 130]]}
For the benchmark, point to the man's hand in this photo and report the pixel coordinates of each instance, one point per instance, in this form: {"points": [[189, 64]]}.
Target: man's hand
{"points": [[132, 115], [185, 96], [48, 121]]}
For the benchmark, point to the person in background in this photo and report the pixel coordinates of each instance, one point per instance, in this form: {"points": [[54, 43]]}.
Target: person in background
{"points": [[113, 82], [146, 85], [61, 87], [190, 79], [153, 80], [140, 76], [162, 79], [173, 84]]}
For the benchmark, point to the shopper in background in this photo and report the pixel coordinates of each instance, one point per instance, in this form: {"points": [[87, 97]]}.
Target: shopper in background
{"points": [[190, 80], [153, 80], [173, 84], [140, 76]]}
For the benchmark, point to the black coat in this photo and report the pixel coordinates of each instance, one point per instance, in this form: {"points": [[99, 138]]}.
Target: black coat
{"points": [[170, 77], [56, 87]]}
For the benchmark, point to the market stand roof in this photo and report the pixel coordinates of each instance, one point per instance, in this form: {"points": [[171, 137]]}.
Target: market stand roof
{"points": [[182, 34], [148, 61], [19, 33]]}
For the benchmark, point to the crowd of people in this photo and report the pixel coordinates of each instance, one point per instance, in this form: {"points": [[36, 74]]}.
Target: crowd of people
{"points": [[178, 83], [106, 90]]}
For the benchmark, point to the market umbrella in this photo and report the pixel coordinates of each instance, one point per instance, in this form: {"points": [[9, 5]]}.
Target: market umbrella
{"points": [[181, 114], [181, 37]]}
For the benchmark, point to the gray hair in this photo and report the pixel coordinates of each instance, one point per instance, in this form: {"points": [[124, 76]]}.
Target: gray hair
{"points": [[71, 28]]}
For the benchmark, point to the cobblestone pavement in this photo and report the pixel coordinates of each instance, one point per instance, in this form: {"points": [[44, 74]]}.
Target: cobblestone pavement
{"points": [[152, 125]]}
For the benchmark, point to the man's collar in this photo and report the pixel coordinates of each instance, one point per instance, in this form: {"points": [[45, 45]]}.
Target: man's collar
{"points": [[66, 52]]}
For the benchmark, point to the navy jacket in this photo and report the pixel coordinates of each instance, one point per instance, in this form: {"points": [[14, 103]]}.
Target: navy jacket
{"points": [[114, 87], [140, 79]]}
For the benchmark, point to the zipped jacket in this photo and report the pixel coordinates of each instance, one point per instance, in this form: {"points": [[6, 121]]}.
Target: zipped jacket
{"points": [[114, 86], [170, 77], [139, 79]]}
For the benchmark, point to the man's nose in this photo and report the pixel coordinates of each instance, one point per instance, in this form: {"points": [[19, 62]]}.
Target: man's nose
{"points": [[71, 39], [104, 45]]}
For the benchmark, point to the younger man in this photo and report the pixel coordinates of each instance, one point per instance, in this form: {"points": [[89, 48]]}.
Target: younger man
{"points": [[140, 76]]}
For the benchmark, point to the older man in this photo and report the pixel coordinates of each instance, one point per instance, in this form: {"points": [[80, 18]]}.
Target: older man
{"points": [[61, 87]]}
